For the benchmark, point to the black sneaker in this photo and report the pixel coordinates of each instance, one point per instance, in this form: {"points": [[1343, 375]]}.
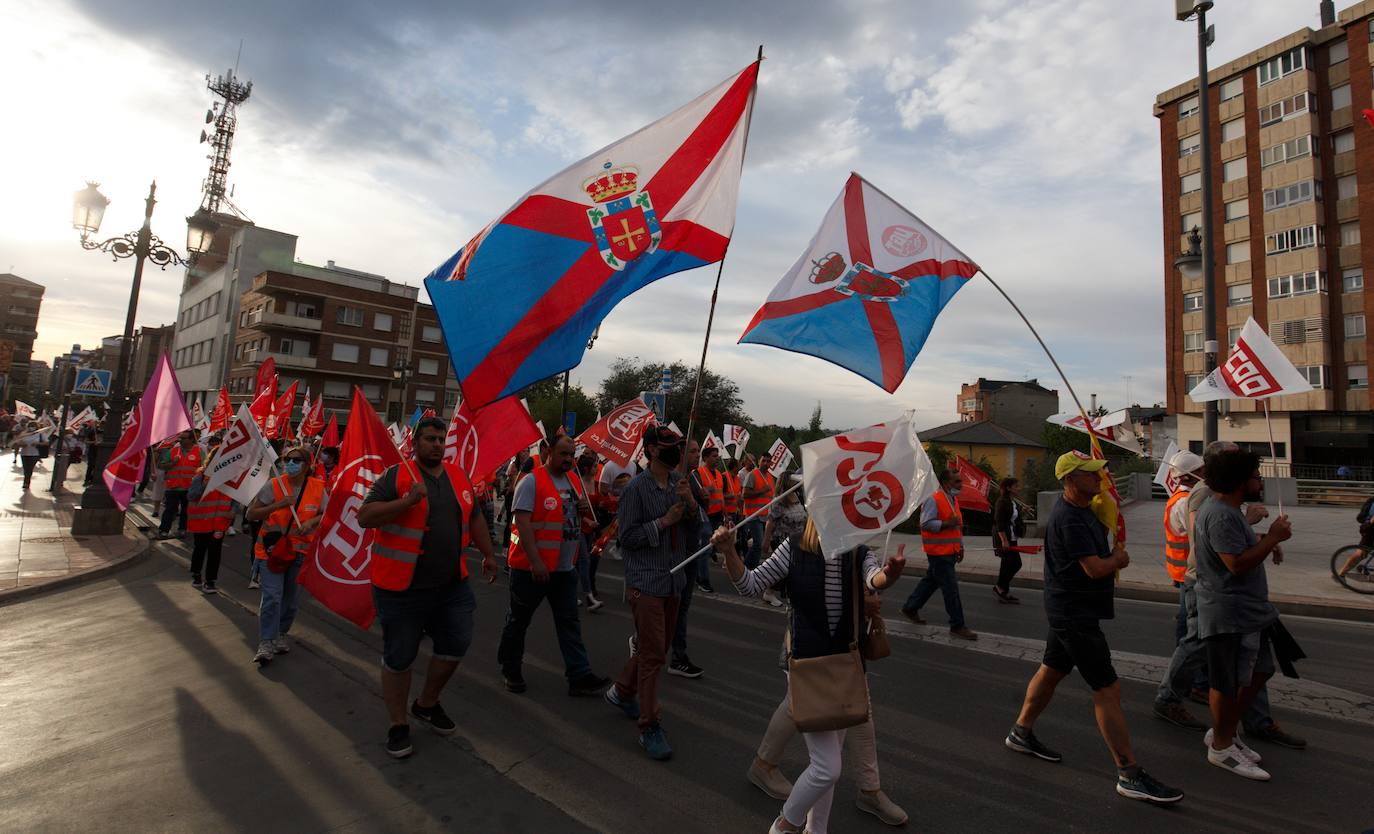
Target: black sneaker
{"points": [[1024, 741], [398, 741], [515, 680], [684, 668], [705, 589], [195, 581], [209, 588], [1144, 786], [588, 685], [434, 716]]}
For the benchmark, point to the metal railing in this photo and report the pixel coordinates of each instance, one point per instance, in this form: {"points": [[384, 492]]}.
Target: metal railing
{"points": [[1333, 492]]}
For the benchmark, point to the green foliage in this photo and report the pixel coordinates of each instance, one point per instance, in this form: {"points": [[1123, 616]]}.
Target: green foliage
{"points": [[719, 403], [815, 423], [546, 403]]}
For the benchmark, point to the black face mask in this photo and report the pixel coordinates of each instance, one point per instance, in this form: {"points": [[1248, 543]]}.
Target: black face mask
{"points": [[670, 456]]}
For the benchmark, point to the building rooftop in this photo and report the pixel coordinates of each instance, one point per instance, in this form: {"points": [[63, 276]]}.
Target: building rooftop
{"points": [[980, 432], [13, 280], [997, 384]]}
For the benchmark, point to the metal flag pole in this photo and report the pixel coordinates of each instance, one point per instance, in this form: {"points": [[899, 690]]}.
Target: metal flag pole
{"points": [[685, 562], [715, 292], [1272, 455]]}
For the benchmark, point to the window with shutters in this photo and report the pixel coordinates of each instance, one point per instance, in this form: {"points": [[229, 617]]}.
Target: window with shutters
{"points": [[1233, 87], [1189, 145], [1350, 233], [337, 389], [1352, 280], [1192, 221], [1346, 188], [1237, 294], [1232, 334], [378, 357], [1188, 183], [1338, 52], [1237, 210], [1343, 142], [1233, 170], [1357, 376], [1192, 342], [1340, 97], [1298, 331], [344, 352], [424, 395], [1187, 107], [1238, 253], [1354, 326], [429, 367], [1291, 195], [1233, 129], [1317, 375]]}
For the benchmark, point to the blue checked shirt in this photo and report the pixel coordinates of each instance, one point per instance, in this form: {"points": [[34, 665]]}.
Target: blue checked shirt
{"points": [[651, 553]]}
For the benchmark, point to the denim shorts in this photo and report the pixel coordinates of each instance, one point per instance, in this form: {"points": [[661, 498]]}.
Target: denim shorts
{"points": [[445, 614]]}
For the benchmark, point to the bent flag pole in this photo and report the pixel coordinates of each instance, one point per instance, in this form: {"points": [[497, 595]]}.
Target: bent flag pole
{"points": [[519, 301]]}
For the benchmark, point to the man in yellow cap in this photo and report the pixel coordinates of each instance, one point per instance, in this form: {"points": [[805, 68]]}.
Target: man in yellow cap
{"points": [[1079, 568]]}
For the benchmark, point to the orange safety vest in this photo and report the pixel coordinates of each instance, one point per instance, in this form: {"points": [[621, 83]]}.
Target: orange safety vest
{"points": [[547, 520], [397, 546], [714, 486], [758, 502], [211, 514], [945, 542], [311, 505], [184, 467], [1175, 546], [731, 491]]}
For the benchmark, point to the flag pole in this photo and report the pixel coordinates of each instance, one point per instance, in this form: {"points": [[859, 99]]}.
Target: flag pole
{"points": [[685, 562], [1272, 455], [715, 292]]}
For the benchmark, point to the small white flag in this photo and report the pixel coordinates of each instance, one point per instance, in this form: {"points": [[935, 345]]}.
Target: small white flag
{"points": [[1114, 428], [1254, 370], [1166, 477], [779, 457], [244, 463]]}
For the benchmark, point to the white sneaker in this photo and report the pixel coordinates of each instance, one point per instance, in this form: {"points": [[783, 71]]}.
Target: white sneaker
{"points": [[1245, 750], [593, 603], [264, 654], [772, 599], [1233, 760], [253, 584]]}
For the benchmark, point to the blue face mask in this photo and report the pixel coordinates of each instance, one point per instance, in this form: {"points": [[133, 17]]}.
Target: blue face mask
{"points": [[293, 467]]}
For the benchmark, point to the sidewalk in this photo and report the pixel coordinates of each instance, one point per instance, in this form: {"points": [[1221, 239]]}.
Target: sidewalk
{"points": [[1301, 585], [37, 550]]}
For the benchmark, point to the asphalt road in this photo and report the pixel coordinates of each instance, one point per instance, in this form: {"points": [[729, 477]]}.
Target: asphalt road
{"points": [[131, 704]]}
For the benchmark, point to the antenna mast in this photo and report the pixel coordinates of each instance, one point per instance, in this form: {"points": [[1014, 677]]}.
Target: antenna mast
{"points": [[231, 92]]}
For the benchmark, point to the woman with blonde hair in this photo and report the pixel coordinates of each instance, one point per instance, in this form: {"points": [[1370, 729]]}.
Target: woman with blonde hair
{"points": [[827, 618]]}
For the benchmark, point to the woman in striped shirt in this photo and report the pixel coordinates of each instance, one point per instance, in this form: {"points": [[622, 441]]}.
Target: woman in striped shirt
{"points": [[822, 621]]}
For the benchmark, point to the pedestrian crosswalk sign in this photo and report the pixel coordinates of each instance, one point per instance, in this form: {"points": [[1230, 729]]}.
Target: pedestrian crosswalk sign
{"points": [[92, 382]]}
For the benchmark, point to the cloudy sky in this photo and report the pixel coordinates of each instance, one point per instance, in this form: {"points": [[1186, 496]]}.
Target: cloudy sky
{"points": [[385, 135]]}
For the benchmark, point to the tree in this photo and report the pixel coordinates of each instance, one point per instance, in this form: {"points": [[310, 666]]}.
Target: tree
{"points": [[719, 403], [815, 424], [546, 403]]}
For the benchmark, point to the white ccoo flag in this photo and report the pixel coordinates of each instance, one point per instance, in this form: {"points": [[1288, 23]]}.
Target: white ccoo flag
{"points": [[243, 465], [1254, 370], [865, 482]]}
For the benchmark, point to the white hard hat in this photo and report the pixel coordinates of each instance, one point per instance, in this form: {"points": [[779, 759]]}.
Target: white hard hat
{"points": [[1185, 462]]}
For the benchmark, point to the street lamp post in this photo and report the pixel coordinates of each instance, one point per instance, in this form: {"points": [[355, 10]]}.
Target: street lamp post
{"points": [[98, 514], [399, 372], [1184, 10]]}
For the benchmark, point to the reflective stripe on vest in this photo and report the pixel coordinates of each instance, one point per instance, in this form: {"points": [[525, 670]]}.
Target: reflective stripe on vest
{"points": [[713, 485], [211, 514], [546, 519], [945, 541], [397, 546], [280, 521], [184, 466], [758, 502], [1175, 546]]}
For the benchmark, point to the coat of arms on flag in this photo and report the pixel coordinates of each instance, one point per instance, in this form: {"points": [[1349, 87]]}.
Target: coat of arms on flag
{"points": [[623, 221]]}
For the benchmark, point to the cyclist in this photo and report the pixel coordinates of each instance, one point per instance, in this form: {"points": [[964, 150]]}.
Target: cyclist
{"points": [[1366, 535]]}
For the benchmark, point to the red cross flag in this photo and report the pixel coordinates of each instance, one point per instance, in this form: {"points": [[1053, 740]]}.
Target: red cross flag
{"points": [[616, 436], [1256, 369], [337, 569], [865, 482]]}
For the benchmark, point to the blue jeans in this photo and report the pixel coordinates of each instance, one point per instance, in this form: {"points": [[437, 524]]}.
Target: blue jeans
{"points": [[754, 531], [444, 613], [525, 596], [174, 508], [280, 599], [586, 567], [939, 575]]}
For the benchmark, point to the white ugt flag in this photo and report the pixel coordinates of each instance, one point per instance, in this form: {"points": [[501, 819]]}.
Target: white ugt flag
{"points": [[244, 463], [1255, 370], [865, 482], [24, 410]]}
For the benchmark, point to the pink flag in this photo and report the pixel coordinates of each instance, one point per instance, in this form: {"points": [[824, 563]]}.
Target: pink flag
{"points": [[161, 413]]}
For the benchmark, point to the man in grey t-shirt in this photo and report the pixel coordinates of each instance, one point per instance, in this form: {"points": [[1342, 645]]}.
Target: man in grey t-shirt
{"points": [[1233, 603]]}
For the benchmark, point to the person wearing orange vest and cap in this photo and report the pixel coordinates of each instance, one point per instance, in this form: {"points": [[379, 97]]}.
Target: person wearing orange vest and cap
{"points": [[290, 506], [182, 465], [210, 516], [547, 509], [943, 541], [426, 514]]}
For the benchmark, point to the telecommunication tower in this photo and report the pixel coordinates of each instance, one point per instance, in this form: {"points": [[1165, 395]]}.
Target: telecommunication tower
{"points": [[231, 92]]}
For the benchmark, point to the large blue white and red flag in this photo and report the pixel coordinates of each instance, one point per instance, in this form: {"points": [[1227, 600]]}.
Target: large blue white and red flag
{"points": [[866, 292], [519, 301]]}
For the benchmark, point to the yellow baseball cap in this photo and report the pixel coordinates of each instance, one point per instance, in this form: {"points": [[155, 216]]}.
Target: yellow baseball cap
{"points": [[1075, 461]]}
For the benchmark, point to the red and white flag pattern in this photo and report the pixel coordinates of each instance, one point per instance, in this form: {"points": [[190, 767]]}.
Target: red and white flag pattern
{"points": [[616, 436], [481, 442], [779, 457], [244, 463], [1255, 369], [219, 418], [1115, 428], [865, 482], [977, 484]]}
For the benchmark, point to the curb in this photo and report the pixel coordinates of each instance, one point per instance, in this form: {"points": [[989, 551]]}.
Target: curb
{"points": [[13, 595], [1287, 604]]}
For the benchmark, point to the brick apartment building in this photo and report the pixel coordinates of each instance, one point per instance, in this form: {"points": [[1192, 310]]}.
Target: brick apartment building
{"points": [[19, 309], [1293, 186], [1021, 406]]}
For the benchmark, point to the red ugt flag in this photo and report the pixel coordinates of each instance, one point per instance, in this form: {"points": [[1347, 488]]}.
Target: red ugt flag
{"points": [[974, 495], [617, 435], [480, 440], [219, 418], [337, 569], [331, 431]]}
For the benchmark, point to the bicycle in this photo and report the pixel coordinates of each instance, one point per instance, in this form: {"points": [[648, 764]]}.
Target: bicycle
{"points": [[1353, 567]]}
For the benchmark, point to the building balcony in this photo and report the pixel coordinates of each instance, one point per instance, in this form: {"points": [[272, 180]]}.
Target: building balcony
{"points": [[286, 321], [282, 360]]}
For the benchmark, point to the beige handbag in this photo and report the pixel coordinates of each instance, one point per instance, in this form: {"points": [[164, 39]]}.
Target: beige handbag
{"points": [[828, 692]]}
